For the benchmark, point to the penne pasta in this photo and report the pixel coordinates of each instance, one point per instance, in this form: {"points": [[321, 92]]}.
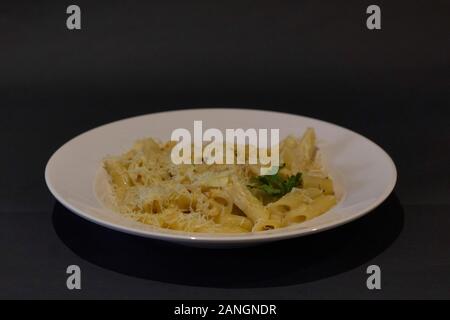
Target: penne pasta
{"points": [[309, 211], [232, 220], [325, 184], [213, 198], [246, 201], [267, 224]]}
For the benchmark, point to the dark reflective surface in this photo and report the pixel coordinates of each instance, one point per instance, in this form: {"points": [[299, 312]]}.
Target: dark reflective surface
{"points": [[281, 263]]}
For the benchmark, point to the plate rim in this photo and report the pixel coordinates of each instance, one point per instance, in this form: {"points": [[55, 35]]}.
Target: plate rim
{"points": [[221, 238]]}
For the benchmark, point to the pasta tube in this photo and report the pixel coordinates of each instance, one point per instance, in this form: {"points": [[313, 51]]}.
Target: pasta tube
{"points": [[325, 184], [245, 201]]}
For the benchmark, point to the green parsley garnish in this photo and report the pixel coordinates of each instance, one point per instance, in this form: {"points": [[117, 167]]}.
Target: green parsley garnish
{"points": [[274, 185]]}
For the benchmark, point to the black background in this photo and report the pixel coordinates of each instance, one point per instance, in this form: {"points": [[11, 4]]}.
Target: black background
{"points": [[314, 58]]}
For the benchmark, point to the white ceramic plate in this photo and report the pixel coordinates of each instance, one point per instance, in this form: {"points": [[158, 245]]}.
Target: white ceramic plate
{"points": [[363, 173]]}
